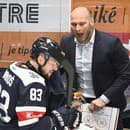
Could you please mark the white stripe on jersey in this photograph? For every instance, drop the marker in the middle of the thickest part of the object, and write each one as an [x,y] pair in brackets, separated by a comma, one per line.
[30,108]
[28,122]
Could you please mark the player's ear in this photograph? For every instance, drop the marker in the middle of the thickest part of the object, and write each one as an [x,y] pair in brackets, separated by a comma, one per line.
[41,59]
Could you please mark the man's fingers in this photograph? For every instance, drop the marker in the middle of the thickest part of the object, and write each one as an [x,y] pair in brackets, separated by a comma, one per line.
[76,104]
[94,107]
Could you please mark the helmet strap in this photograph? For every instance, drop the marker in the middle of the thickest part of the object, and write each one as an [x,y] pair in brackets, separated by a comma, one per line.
[46,57]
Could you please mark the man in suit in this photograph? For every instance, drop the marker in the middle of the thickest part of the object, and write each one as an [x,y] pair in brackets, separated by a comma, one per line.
[101,62]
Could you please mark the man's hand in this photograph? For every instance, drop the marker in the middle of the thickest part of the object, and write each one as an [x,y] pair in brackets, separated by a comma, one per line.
[76,104]
[96,105]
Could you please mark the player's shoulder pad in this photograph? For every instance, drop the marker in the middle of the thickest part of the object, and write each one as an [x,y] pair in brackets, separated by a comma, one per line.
[26,75]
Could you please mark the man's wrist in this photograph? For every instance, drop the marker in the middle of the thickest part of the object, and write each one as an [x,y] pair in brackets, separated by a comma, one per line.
[105,99]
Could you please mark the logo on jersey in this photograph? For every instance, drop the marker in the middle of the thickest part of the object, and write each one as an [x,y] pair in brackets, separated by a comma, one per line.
[33,75]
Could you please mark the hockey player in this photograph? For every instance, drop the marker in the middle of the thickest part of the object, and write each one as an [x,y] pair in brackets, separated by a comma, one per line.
[27,88]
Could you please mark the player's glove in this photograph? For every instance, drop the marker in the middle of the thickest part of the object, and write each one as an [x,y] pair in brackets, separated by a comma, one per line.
[66,117]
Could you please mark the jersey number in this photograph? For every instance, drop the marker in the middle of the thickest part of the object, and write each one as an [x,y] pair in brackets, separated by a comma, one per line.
[4,105]
[36,94]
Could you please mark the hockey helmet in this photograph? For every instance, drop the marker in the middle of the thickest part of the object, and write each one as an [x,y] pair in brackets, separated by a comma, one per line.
[48,47]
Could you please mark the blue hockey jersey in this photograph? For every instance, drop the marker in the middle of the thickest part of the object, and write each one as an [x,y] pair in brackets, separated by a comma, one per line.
[25,97]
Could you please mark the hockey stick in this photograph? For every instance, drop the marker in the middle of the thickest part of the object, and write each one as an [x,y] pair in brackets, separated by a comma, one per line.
[57,54]
[70,78]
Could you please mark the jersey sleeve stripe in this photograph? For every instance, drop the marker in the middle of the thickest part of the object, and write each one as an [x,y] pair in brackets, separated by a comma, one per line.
[25,115]
[30,108]
[28,115]
[28,122]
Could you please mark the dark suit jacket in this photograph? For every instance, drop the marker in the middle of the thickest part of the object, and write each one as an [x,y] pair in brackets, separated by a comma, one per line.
[110,66]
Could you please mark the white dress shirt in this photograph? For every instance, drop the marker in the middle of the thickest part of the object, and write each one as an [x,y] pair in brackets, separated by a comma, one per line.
[84,53]
[83,66]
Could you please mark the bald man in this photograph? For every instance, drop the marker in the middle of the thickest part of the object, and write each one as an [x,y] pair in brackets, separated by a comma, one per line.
[101,63]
